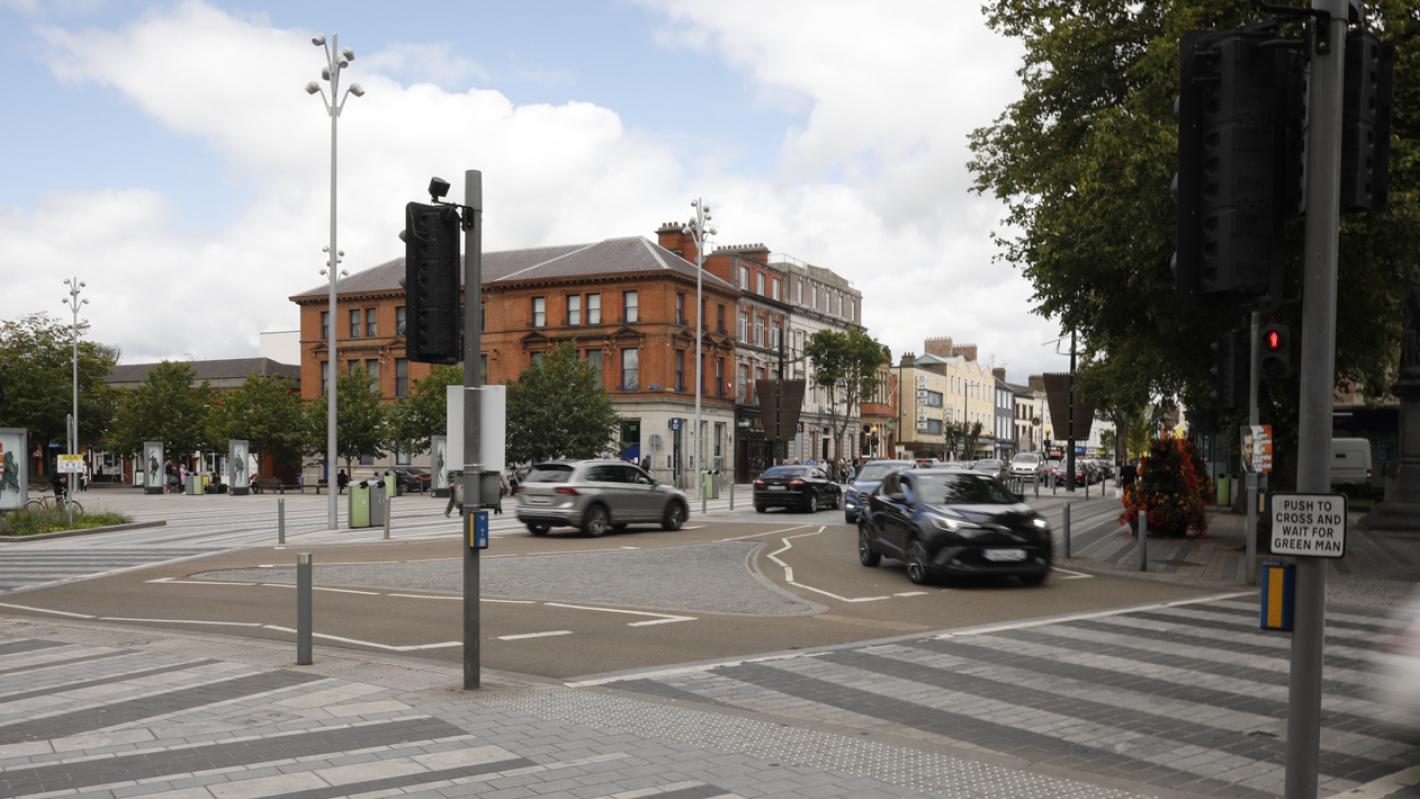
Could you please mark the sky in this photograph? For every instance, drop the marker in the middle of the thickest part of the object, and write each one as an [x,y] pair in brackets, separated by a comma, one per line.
[166,153]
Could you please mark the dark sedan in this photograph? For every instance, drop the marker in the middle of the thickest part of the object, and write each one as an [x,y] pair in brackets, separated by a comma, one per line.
[955,524]
[855,499]
[412,480]
[805,487]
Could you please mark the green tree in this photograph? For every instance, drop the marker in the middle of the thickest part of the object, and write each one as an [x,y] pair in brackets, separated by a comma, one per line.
[1083,162]
[168,406]
[557,408]
[362,420]
[36,362]
[266,411]
[846,366]
[424,413]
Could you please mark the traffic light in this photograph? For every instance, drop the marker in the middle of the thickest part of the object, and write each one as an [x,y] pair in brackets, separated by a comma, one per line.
[1239,110]
[431,283]
[1365,128]
[1276,352]
[1230,370]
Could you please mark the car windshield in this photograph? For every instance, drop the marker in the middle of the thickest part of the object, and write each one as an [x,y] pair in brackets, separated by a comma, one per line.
[549,473]
[1024,458]
[785,471]
[988,464]
[877,471]
[962,489]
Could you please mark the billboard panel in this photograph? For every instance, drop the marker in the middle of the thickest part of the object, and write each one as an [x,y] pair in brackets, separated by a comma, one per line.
[14,463]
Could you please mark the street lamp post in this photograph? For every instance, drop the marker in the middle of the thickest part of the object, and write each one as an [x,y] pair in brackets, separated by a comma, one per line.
[74,304]
[699,229]
[336,60]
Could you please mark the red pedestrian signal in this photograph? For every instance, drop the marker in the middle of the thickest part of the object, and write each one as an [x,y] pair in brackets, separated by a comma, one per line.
[1274,340]
[1276,352]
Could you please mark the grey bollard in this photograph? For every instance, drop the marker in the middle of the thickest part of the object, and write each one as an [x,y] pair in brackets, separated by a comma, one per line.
[1144,539]
[303,609]
[1067,529]
[1035,483]
[281,521]
[389,511]
[732,494]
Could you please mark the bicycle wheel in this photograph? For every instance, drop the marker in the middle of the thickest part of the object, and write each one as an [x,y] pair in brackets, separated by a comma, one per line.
[78,509]
[34,505]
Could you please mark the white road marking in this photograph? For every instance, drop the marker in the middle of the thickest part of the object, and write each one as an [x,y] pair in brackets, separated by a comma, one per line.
[1022,625]
[789,572]
[655,675]
[46,610]
[346,591]
[1074,574]
[1385,786]
[184,621]
[547,634]
[357,641]
[663,618]
[911,593]
[174,581]
[659,621]
[771,532]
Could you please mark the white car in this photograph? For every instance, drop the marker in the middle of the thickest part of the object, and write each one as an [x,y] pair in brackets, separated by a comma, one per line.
[1398,683]
[1026,466]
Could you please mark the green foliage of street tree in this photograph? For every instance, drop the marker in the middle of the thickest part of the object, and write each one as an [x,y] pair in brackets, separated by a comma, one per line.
[168,406]
[1083,162]
[362,420]
[266,411]
[846,366]
[557,408]
[36,365]
[422,414]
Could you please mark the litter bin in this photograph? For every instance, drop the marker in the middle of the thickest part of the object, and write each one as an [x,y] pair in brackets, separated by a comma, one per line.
[359,509]
[379,502]
[391,486]
[1279,587]
[1225,491]
[194,484]
[710,486]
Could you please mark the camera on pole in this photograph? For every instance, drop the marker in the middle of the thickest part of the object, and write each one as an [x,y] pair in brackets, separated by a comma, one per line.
[431,283]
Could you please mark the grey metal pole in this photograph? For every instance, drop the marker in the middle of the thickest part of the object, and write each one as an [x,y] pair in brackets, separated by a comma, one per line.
[389,511]
[1067,529]
[303,609]
[699,232]
[732,492]
[1318,379]
[472,378]
[281,520]
[333,333]
[1143,539]
[1070,443]
[1253,416]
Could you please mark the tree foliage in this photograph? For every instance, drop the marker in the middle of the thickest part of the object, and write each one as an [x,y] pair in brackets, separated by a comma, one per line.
[362,420]
[266,411]
[1084,160]
[168,406]
[557,408]
[424,413]
[36,363]
[846,366]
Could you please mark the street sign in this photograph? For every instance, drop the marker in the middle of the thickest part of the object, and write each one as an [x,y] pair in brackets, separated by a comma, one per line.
[1311,525]
[478,529]
[1257,448]
[71,463]
[675,423]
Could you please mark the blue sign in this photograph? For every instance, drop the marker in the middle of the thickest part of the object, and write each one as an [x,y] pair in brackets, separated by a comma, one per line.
[675,422]
[478,529]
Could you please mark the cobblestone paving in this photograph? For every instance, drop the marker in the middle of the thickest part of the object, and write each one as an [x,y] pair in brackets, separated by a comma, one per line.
[1190,697]
[90,712]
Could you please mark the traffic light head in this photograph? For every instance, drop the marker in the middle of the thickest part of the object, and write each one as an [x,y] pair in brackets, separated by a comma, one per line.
[1276,352]
[431,283]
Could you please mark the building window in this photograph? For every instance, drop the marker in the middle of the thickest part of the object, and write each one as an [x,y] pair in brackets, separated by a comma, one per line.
[932,399]
[324,376]
[630,307]
[719,377]
[536,358]
[372,368]
[798,291]
[539,312]
[680,370]
[401,376]
[759,283]
[483,369]
[774,288]
[371,329]
[719,436]
[776,336]
[324,325]
[594,362]
[482,318]
[630,369]
[813,296]
[355,317]
[720,318]
[744,278]
[574,309]
[399,321]
[742,386]
[352,366]
[402,458]
[852,311]
[594,309]
[680,308]
[744,327]
[758,330]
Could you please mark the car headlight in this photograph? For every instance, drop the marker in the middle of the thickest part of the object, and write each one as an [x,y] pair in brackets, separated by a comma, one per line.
[956,527]
[1039,523]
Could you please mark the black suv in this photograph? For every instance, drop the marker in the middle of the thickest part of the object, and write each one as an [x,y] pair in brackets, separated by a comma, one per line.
[412,480]
[953,523]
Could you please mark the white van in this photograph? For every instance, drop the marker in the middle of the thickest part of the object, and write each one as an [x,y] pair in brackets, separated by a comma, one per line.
[1351,465]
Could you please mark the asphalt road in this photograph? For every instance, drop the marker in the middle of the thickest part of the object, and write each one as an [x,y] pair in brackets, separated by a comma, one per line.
[563,606]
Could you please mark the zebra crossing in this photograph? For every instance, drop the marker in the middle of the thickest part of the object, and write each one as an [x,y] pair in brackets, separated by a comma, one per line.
[1189,696]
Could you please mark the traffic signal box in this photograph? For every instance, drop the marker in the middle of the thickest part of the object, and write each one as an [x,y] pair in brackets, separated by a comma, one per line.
[431,283]
[1231,369]
[1276,352]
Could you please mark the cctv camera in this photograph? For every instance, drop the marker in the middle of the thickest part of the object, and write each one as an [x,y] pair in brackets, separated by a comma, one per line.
[438,188]
[357,90]
[325,73]
[318,40]
[347,54]
[312,87]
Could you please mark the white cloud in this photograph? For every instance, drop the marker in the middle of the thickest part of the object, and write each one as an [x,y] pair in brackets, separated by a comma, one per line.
[872,184]
[426,63]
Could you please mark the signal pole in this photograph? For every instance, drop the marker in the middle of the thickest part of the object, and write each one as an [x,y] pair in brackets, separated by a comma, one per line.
[1318,378]
[472,406]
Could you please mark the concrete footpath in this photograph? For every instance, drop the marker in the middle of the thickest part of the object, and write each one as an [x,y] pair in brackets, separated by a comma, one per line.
[108,712]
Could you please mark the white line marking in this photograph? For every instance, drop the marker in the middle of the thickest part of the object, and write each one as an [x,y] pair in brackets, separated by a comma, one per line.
[661,616]
[771,532]
[387,647]
[185,621]
[631,547]
[1086,616]
[1077,575]
[659,621]
[46,610]
[693,527]
[789,571]
[912,593]
[547,634]
[346,591]
[1385,786]
[174,581]
[652,675]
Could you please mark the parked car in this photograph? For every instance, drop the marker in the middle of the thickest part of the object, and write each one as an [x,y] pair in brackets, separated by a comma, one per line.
[412,480]
[1027,466]
[855,498]
[805,487]
[595,496]
[927,463]
[991,467]
[1053,470]
[1351,466]
[941,522]
[1398,667]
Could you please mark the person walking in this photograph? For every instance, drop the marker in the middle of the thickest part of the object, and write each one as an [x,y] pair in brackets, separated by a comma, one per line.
[503,491]
[341,481]
[455,493]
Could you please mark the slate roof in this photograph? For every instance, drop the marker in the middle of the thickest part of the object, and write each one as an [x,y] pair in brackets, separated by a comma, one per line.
[608,257]
[222,369]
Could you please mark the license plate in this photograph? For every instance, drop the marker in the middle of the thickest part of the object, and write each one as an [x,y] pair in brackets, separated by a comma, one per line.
[776,488]
[1004,554]
[538,500]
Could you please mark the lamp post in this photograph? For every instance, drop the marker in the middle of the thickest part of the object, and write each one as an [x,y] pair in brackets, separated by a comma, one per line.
[74,304]
[699,229]
[336,60]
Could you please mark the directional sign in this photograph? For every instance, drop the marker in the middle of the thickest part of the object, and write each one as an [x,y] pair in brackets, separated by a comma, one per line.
[1311,525]
[71,463]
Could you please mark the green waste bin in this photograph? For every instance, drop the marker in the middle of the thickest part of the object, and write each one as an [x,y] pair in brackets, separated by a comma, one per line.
[709,486]
[391,485]
[379,502]
[1225,490]
[359,509]
[194,484]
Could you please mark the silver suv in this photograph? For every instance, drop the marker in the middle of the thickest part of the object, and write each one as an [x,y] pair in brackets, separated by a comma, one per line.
[595,496]
[1026,466]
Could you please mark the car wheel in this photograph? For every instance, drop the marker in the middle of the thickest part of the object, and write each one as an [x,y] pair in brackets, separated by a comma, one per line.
[849,518]
[758,508]
[837,501]
[866,554]
[813,503]
[1035,579]
[538,528]
[595,521]
[674,516]
[917,564]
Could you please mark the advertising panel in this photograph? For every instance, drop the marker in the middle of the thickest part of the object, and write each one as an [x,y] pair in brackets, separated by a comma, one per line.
[14,463]
[438,455]
[152,467]
[238,467]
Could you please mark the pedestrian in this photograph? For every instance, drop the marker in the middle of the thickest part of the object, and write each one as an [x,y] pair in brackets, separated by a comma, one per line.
[341,481]
[57,483]
[645,463]
[301,480]
[503,490]
[455,493]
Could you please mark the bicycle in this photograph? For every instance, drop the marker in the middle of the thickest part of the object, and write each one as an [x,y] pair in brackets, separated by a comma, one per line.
[51,502]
